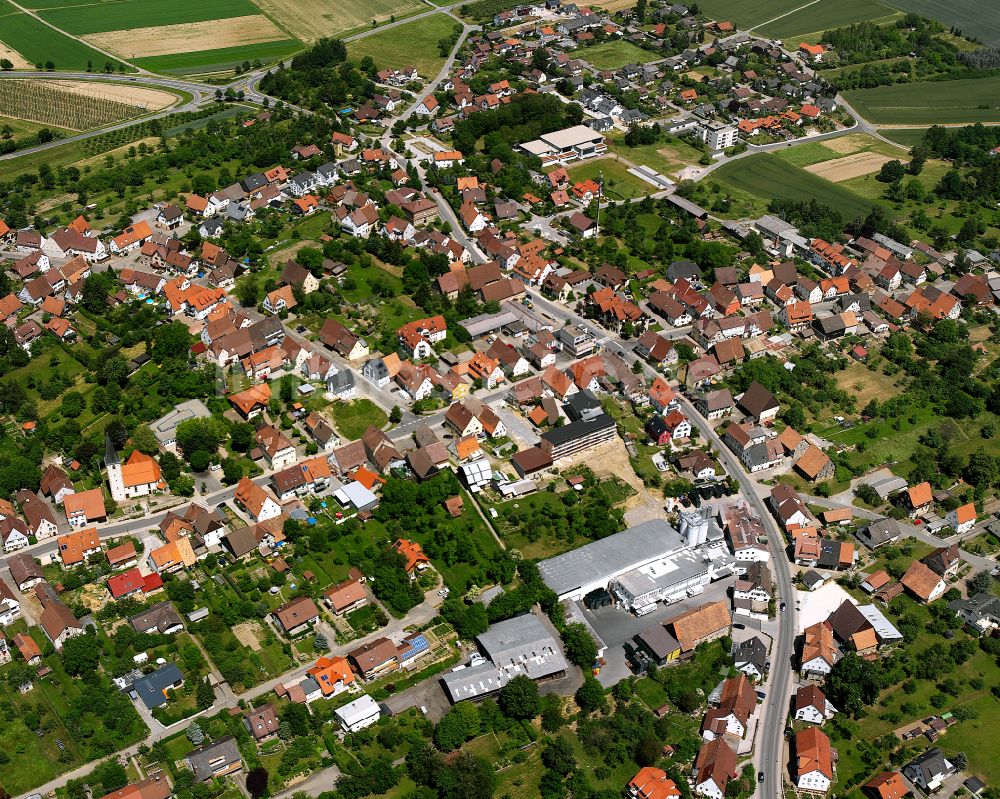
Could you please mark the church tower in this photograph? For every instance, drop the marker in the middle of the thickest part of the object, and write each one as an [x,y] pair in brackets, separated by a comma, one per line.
[116,484]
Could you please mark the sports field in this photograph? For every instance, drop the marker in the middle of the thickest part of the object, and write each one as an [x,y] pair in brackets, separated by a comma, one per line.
[929,103]
[308,20]
[815,18]
[415,43]
[37,43]
[615,54]
[769,177]
[972,17]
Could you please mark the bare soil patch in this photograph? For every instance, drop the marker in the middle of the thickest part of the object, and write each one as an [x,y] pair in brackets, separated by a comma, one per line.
[246,634]
[18,60]
[851,166]
[188,37]
[150,99]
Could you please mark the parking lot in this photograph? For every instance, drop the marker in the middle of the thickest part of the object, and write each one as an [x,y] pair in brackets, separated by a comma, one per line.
[617,626]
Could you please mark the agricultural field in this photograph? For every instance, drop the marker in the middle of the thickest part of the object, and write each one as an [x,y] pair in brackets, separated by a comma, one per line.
[219,60]
[966,15]
[33,42]
[78,105]
[934,102]
[908,137]
[747,13]
[415,43]
[616,54]
[308,20]
[769,177]
[815,18]
[142,29]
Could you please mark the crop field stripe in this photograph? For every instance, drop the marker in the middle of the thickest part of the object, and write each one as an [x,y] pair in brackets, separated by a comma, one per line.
[38,43]
[825,15]
[128,14]
[930,102]
[746,13]
[769,177]
[221,59]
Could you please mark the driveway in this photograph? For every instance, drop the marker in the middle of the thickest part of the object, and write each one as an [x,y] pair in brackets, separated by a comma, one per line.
[427,695]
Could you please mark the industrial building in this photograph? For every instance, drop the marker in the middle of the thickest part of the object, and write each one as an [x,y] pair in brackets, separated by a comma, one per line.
[521,645]
[645,564]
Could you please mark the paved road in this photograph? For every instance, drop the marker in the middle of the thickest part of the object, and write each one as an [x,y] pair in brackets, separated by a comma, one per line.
[769,750]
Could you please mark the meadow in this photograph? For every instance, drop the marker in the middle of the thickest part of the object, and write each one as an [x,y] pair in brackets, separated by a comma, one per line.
[619,183]
[824,15]
[769,177]
[966,15]
[616,54]
[968,100]
[404,45]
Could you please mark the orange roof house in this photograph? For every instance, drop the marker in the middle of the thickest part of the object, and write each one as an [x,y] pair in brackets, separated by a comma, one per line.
[919,496]
[77,547]
[251,401]
[652,783]
[84,507]
[28,647]
[414,554]
[173,556]
[332,675]
[887,785]
[812,753]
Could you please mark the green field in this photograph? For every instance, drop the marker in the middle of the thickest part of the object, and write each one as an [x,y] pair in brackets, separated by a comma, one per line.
[224,58]
[908,137]
[824,15]
[352,418]
[615,54]
[966,15]
[114,15]
[413,44]
[747,13]
[666,158]
[769,177]
[38,43]
[968,100]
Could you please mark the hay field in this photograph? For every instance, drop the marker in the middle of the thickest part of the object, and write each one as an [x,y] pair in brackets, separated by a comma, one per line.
[309,20]
[850,166]
[188,37]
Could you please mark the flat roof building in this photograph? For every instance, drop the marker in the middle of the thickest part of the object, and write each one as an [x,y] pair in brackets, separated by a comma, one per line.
[165,428]
[568,144]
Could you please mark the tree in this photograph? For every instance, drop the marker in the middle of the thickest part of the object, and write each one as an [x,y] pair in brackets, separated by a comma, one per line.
[204,435]
[205,697]
[590,695]
[194,733]
[580,647]
[395,415]
[72,404]
[81,653]
[257,782]
[144,440]
[891,172]
[868,495]
[110,774]
[170,341]
[519,698]
[232,471]
[558,756]
[199,460]
[982,583]
[320,643]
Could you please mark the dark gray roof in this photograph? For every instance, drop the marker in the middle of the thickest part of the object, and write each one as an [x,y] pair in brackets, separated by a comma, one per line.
[161,617]
[658,641]
[578,429]
[213,757]
[151,688]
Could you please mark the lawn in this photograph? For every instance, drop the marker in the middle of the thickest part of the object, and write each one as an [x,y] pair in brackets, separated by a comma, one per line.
[414,44]
[966,15]
[666,158]
[619,183]
[352,418]
[38,43]
[224,58]
[114,15]
[23,127]
[769,177]
[815,18]
[615,54]
[935,102]
[866,384]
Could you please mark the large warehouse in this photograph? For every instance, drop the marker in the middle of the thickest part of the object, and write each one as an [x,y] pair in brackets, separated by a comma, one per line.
[644,564]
